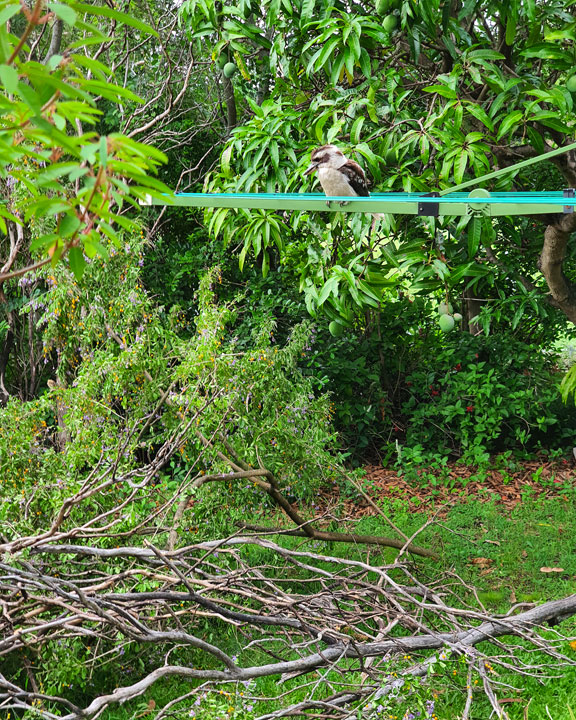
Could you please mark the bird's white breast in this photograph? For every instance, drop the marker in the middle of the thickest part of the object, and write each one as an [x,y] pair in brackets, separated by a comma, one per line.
[334,182]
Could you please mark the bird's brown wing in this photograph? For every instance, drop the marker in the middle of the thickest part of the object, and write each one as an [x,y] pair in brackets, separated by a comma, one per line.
[356,177]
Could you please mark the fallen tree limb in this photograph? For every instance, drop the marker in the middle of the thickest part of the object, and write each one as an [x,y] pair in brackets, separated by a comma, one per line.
[347,538]
[331,627]
[242,470]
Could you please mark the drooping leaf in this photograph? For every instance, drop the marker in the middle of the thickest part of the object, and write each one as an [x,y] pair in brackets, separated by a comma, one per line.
[474,235]
[121,17]
[9,78]
[511,120]
[77,262]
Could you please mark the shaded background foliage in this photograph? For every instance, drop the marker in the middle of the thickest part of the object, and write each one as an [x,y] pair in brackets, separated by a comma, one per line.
[301,341]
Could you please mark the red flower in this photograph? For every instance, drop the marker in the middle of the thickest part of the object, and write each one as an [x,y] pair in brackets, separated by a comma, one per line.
[470,408]
[435,392]
[458,367]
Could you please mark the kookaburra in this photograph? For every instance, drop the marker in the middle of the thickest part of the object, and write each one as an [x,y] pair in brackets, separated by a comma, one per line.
[338,175]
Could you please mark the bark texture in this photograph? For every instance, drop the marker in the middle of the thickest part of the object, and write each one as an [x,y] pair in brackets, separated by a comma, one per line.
[554,249]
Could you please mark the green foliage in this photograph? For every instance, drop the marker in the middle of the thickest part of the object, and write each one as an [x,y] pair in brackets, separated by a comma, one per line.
[117,354]
[292,423]
[72,185]
[349,367]
[172,270]
[138,384]
[568,386]
[481,395]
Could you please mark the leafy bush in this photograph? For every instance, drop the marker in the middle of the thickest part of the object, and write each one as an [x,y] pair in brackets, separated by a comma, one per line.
[480,395]
[349,368]
[115,354]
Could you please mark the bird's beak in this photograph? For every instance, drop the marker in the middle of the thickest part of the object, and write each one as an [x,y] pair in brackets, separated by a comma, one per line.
[310,169]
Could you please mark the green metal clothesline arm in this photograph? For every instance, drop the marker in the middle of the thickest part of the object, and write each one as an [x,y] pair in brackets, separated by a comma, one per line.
[500,204]
[508,170]
[449,202]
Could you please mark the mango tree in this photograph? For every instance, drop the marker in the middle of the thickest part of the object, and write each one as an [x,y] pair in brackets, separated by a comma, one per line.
[424,96]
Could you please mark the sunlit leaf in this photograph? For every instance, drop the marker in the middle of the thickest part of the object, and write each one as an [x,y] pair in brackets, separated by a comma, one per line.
[9,78]
[121,17]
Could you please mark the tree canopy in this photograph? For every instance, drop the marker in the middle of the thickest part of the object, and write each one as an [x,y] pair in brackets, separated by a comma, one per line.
[424,96]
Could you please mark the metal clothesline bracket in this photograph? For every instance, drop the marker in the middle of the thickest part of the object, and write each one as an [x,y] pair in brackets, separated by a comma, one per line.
[480,207]
[429,209]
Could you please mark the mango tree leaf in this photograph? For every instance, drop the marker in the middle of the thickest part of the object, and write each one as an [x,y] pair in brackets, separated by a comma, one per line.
[121,17]
[546,51]
[307,8]
[460,166]
[474,235]
[484,54]
[365,63]
[355,132]
[511,24]
[536,140]
[330,287]
[442,90]
[509,122]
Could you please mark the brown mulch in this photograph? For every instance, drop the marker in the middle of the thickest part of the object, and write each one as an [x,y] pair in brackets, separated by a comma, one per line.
[505,487]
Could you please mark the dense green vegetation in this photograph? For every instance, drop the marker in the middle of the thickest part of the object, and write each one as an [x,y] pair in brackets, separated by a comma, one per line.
[189,400]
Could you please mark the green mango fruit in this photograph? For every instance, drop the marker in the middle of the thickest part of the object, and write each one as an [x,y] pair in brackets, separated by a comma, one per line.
[336,329]
[229,69]
[446,323]
[389,23]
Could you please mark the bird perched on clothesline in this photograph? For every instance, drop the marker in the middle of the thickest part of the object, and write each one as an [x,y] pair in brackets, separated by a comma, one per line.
[338,175]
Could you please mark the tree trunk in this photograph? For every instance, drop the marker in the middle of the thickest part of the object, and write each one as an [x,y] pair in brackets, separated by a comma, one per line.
[472,307]
[56,39]
[556,237]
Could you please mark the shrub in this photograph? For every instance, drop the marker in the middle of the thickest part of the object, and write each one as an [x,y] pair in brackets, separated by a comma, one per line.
[480,395]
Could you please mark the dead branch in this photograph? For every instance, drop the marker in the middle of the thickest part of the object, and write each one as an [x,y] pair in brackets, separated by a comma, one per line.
[324,626]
